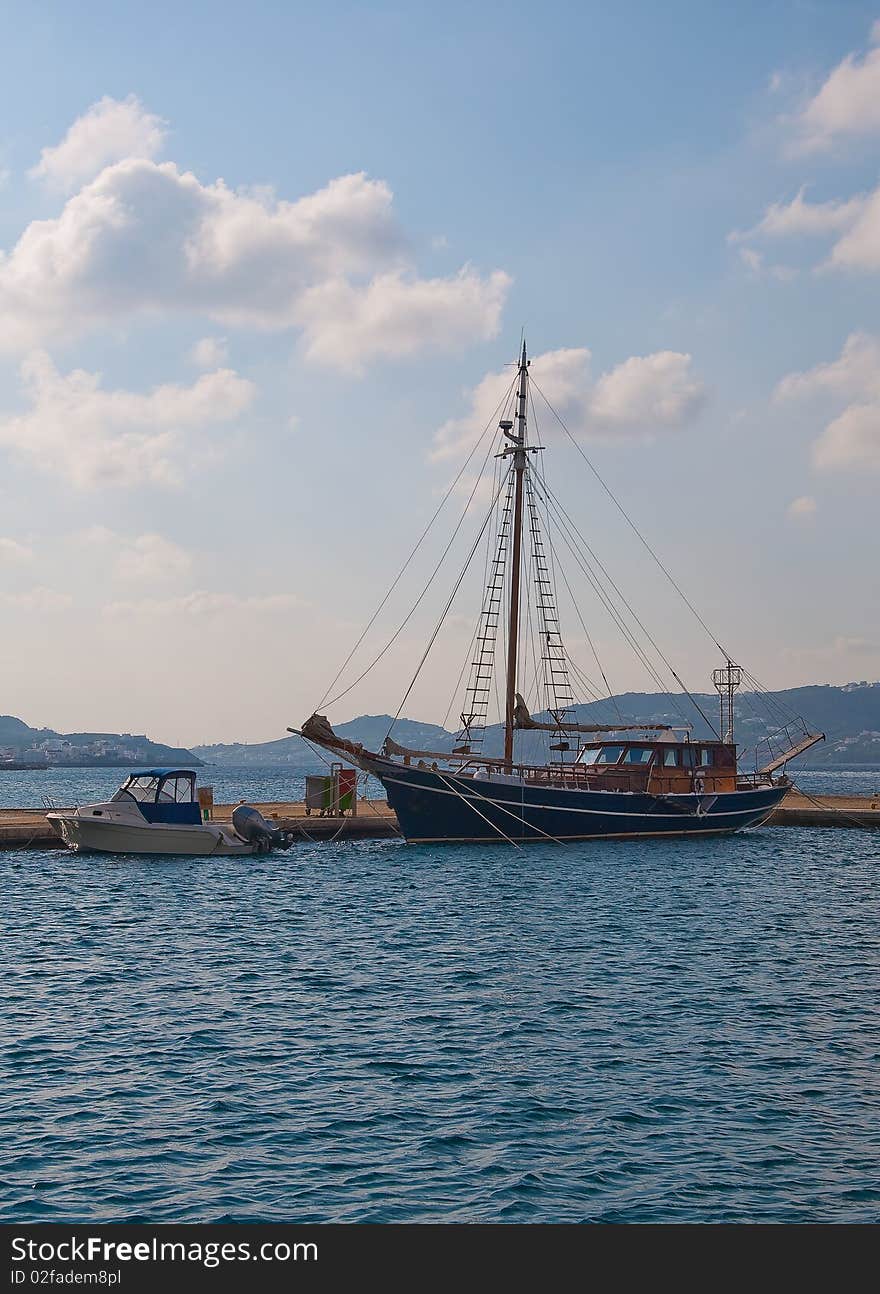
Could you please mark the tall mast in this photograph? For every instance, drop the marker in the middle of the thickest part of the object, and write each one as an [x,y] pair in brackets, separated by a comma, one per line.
[520,455]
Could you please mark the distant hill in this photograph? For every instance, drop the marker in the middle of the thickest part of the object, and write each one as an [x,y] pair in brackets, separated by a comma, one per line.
[849,716]
[20,742]
[369,729]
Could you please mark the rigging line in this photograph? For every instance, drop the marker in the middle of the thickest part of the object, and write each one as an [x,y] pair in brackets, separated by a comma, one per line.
[477,693]
[621,625]
[472,645]
[614,613]
[629,608]
[516,816]
[586,683]
[464,664]
[418,600]
[545,693]
[626,632]
[577,610]
[582,678]
[465,800]
[502,530]
[496,680]
[550,548]
[317,751]
[833,808]
[771,698]
[632,524]
[418,544]
[445,611]
[528,640]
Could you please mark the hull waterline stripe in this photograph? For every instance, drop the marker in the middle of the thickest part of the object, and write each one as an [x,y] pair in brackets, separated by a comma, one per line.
[605,835]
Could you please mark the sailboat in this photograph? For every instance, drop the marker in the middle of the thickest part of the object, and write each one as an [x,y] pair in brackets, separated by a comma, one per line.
[596,781]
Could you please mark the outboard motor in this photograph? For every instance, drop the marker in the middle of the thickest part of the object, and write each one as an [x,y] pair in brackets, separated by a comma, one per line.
[255,830]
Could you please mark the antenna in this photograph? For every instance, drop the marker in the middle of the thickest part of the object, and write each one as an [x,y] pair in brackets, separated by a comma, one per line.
[727,680]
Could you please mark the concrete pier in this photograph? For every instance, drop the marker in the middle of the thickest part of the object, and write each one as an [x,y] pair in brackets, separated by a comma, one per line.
[28,828]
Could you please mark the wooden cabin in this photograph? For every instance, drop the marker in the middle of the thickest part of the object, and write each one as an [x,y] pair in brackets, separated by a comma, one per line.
[661,767]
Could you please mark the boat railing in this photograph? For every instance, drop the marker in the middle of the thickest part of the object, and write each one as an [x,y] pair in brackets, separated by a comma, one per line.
[746,781]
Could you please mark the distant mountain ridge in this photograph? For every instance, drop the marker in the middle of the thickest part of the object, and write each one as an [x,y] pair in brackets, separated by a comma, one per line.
[849,716]
[20,742]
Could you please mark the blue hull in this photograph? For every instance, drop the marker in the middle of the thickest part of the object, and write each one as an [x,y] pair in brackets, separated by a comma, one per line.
[438,806]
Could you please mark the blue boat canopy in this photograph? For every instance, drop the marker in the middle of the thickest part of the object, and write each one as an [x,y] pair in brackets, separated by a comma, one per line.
[165,795]
[163,772]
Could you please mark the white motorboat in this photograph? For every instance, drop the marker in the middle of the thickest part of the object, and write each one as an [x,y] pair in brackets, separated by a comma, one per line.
[156,811]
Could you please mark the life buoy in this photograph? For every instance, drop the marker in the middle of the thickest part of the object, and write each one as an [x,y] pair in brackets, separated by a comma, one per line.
[699,784]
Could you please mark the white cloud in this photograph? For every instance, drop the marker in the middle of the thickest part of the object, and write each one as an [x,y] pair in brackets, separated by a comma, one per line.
[152,558]
[210,352]
[92,437]
[856,374]
[38,599]
[200,605]
[108,132]
[759,269]
[802,509]
[397,315]
[145,239]
[12,553]
[852,439]
[639,396]
[847,104]
[148,558]
[798,217]
[853,226]
[646,392]
[859,248]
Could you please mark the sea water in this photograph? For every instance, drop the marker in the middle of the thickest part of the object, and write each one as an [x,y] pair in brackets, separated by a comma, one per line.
[666,1031]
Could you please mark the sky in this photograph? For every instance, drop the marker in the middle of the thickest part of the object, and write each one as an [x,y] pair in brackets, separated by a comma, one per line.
[263,266]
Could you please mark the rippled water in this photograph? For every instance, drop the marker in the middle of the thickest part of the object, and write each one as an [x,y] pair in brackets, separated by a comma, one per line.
[665,1031]
[26,788]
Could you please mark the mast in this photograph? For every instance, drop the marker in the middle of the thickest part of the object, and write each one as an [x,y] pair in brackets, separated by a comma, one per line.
[520,455]
[727,681]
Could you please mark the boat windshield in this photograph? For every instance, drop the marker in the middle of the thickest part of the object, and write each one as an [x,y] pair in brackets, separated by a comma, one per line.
[142,789]
[153,788]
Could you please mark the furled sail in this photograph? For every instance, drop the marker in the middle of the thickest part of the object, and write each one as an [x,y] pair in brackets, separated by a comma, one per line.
[319,729]
[393,747]
[523,719]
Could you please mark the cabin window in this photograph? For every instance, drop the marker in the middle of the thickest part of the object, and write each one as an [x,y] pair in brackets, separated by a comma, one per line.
[707,757]
[638,755]
[609,754]
[687,756]
[670,757]
[588,756]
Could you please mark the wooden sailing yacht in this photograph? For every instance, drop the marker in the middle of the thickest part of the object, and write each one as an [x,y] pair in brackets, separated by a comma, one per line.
[618,780]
